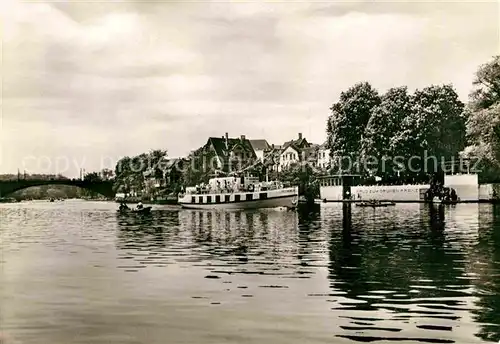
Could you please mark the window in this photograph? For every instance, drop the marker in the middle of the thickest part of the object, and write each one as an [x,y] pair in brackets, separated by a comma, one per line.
[227,198]
[263,195]
[217,199]
[209,199]
[237,198]
[249,197]
[192,199]
[200,199]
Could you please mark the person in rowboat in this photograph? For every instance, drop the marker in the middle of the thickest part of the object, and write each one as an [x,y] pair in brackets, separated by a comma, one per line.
[139,206]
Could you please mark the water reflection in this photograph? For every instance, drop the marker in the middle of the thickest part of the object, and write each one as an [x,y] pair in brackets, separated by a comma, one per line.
[394,274]
[407,274]
[484,264]
[410,272]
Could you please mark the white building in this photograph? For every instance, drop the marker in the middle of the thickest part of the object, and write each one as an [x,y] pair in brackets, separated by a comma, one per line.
[323,156]
[292,152]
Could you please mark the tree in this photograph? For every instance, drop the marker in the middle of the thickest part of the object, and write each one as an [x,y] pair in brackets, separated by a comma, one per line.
[384,122]
[349,117]
[435,126]
[107,174]
[157,160]
[92,177]
[302,175]
[483,122]
[199,168]
[129,171]
[486,85]
[483,133]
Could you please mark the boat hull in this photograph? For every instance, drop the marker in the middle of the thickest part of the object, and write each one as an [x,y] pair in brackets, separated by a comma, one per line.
[266,199]
[288,201]
[145,210]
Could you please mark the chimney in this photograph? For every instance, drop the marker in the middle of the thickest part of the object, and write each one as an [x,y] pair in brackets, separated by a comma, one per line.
[242,137]
[300,136]
[226,140]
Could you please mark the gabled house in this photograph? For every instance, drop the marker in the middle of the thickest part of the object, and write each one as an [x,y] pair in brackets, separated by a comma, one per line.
[292,152]
[227,154]
[260,147]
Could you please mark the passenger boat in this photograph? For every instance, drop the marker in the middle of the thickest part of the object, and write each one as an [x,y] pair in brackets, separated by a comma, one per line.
[239,193]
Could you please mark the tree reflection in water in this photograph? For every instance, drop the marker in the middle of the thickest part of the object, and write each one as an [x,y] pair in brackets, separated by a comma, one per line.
[397,273]
[485,262]
[393,268]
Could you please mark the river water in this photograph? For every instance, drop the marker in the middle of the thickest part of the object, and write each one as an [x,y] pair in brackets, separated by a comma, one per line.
[77,272]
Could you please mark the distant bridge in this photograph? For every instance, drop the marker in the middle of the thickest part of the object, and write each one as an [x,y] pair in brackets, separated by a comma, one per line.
[104,187]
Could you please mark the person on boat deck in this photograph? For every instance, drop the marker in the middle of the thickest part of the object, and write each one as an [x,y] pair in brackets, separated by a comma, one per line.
[123,206]
[139,205]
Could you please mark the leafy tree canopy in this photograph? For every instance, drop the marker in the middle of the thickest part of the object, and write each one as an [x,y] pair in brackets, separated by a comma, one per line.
[483,120]
[348,119]
[486,85]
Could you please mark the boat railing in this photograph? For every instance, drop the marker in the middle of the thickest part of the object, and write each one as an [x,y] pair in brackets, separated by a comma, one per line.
[222,190]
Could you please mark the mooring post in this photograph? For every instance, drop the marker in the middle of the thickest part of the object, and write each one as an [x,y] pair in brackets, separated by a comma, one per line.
[346,220]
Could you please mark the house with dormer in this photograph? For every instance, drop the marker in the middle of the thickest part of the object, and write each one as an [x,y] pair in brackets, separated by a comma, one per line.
[226,154]
[293,152]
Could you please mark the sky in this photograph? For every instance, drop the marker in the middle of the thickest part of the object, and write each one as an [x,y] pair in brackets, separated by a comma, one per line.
[85,83]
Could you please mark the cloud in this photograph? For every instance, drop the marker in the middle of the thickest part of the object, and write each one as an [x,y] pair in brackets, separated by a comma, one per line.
[113,79]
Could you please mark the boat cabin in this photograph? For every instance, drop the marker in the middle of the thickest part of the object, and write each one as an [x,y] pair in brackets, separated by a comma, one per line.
[231,185]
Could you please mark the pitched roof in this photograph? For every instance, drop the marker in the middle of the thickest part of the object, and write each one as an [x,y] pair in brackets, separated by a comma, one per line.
[298,145]
[260,144]
[219,145]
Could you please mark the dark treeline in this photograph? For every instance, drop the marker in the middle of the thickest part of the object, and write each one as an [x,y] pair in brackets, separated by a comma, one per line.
[379,134]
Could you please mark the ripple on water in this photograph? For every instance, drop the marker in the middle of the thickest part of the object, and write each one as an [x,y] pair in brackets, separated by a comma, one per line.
[388,275]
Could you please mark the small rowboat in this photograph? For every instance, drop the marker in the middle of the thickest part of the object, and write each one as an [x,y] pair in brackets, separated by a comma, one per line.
[375,204]
[145,210]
